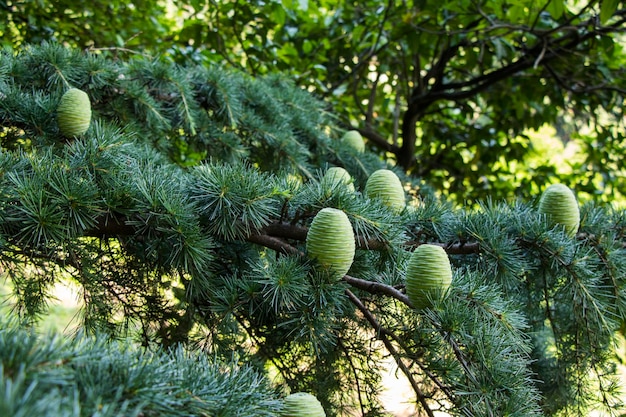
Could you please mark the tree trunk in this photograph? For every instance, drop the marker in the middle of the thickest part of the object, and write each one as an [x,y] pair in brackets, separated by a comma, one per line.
[418,103]
[406,154]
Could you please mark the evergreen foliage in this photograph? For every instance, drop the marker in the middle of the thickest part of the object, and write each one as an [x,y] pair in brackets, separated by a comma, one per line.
[93,376]
[183,212]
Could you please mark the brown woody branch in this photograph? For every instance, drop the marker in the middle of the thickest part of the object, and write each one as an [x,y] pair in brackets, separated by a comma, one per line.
[378,140]
[295,232]
[378,288]
[274,243]
[111,224]
[273,236]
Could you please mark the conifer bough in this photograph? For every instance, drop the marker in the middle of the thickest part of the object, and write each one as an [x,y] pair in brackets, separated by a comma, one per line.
[74,113]
[302,404]
[385,185]
[330,240]
[354,139]
[337,176]
[559,204]
[428,275]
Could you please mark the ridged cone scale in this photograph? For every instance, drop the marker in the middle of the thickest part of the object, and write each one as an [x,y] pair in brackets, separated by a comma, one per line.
[559,204]
[336,176]
[385,185]
[428,275]
[354,139]
[302,404]
[330,240]
[74,113]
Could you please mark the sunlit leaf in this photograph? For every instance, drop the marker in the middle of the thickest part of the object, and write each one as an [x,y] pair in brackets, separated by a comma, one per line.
[607,8]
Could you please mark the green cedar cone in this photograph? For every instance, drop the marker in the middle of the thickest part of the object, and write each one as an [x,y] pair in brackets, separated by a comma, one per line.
[74,113]
[302,404]
[385,185]
[428,275]
[336,176]
[354,139]
[559,205]
[330,240]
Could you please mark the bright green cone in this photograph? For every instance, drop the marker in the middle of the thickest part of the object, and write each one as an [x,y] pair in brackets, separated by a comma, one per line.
[330,240]
[302,404]
[337,176]
[74,113]
[428,275]
[354,139]
[559,205]
[384,184]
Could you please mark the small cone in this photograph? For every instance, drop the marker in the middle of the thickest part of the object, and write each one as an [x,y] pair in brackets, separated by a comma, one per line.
[337,176]
[302,404]
[355,140]
[559,205]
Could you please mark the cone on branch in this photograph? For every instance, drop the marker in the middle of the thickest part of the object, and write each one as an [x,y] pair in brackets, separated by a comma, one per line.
[74,113]
[330,240]
[302,404]
[385,185]
[354,139]
[428,275]
[559,204]
[337,177]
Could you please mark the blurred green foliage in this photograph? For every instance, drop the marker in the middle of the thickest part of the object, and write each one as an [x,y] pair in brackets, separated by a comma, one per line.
[94,376]
[448,90]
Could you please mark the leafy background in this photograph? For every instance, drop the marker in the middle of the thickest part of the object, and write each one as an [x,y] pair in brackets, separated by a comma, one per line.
[478,80]
[385,68]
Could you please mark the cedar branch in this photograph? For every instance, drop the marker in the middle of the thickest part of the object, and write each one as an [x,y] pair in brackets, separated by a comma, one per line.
[391,349]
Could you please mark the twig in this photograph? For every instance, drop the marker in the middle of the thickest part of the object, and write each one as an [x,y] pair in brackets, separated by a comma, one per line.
[459,248]
[541,54]
[120,49]
[354,372]
[392,350]
[377,288]
[273,243]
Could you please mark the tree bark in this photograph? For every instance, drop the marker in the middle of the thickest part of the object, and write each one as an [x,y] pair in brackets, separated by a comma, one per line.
[406,155]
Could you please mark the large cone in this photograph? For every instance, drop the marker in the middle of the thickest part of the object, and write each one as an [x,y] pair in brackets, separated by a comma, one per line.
[330,240]
[385,185]
[428,275]
[74,113]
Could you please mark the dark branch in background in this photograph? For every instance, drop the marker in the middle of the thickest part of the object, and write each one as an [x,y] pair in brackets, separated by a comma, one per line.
[579,87]
[545,50]
[378,140]
[460,248]
[363,60]
[111,224]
